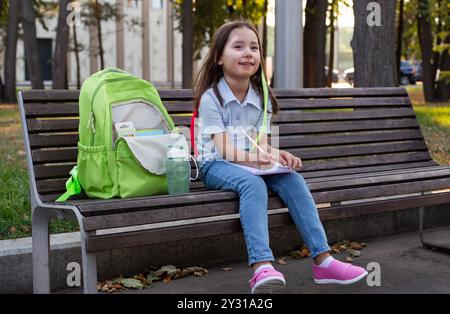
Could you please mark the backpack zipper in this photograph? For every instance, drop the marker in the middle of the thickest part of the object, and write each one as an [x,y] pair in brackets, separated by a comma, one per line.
[91,120]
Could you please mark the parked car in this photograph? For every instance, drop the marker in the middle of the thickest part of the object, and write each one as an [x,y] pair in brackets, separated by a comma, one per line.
[407,74]
[348,75]
[335,74]
[418,67]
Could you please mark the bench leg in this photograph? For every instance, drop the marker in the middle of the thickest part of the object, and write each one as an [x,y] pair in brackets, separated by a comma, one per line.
[89,261]
[41,251]
[426,244]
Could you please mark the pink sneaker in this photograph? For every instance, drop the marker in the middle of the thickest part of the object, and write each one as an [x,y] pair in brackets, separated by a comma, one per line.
[338,272]
[266,281]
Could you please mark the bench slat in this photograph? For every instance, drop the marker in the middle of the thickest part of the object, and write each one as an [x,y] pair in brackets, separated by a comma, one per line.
[367,137]
[49,140]
[367,125]
[381,191]
[71,125]
[341,92]
[373,102]
[355,181]
[380,172]
[360,150]
[55,108]
[366,170]
[70,154]
[70,95]
[367,160]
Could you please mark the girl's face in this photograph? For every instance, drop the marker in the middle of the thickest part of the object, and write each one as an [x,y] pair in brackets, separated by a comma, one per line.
[241,56]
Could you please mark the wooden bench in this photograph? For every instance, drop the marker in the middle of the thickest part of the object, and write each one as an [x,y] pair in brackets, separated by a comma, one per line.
[356,144]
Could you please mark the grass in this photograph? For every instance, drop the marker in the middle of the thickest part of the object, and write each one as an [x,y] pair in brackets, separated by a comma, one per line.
[15,215]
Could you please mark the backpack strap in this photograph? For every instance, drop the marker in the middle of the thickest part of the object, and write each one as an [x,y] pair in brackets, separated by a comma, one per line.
[194,116]
[265,101]
[72,185]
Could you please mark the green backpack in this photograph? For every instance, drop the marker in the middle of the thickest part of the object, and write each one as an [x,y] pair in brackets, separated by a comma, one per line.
[108,164]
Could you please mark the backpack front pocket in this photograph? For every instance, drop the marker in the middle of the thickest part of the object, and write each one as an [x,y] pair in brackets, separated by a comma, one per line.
[133,179]
[94,173]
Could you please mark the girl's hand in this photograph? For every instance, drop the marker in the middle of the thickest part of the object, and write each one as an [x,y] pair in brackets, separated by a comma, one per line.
[265,158]
[287,159]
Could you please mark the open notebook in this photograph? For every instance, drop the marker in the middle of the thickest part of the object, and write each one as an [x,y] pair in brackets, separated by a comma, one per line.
[276,169]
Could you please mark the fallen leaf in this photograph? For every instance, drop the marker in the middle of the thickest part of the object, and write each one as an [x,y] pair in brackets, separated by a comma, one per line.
[151,277]
[349,259]
[12,229]
[281,261]
[354,253]
[131,283]
[182,274]
[227,268]
[169,269]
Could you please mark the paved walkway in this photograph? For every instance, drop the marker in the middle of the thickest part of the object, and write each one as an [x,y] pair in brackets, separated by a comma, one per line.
[405,267]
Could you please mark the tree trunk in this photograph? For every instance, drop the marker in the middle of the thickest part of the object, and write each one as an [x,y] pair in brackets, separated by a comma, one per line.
[77,55]
[264,37]
[436,54]
[333,14]
[443,88]
[31,44]
[10,53]
[188,40]
[399,37]
[1,81]
[62,41]
[426,47]
[98,17]
[373,43]
[314,39]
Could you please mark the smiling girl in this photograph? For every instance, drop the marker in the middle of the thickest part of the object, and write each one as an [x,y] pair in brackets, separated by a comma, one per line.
[228,92]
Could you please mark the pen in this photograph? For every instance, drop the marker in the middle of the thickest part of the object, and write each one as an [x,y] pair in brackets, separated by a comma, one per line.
[253,142]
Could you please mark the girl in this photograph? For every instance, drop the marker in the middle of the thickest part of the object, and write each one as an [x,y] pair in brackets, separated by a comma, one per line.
[228,92]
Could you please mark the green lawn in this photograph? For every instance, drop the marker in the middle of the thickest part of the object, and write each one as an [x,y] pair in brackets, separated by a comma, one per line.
[15,213]
[15,216]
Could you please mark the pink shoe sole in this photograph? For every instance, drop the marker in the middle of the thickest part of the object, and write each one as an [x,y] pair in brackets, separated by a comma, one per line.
[267,281]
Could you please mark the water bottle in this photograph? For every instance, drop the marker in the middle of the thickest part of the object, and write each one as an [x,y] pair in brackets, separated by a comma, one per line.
[178,170]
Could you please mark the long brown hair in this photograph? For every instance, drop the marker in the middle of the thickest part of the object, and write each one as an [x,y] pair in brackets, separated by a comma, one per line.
[210,72]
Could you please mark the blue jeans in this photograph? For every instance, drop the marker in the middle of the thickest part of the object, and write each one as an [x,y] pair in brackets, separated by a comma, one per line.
[253,206]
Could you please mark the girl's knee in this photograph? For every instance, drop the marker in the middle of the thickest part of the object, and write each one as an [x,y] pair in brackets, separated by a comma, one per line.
[253,184]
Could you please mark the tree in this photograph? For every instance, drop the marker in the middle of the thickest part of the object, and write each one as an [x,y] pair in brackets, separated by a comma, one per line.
[333,14]
[188,45]
[61,47]
[400,24]
[10,53]
[1,39]
[76,48]
[314,37]
[426,38]
[31,44]
[210,15]
[374,43]
[426,47]
[93,13]
[98,18]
